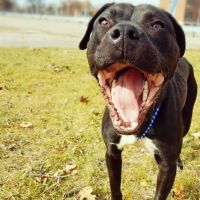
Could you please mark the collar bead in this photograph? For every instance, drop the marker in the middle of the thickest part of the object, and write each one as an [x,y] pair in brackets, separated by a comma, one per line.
[152,121]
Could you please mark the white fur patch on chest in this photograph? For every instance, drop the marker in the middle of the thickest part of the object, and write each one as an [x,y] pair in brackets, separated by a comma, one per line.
[132,139]
[149,145]
[125,140]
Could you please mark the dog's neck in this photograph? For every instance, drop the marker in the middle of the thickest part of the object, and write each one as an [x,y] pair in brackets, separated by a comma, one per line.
[146,131]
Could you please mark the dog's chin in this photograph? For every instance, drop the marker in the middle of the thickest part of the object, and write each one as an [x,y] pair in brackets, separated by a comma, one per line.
[129,94]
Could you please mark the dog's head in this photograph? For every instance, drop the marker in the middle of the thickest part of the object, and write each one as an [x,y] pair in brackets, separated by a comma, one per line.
[132,51]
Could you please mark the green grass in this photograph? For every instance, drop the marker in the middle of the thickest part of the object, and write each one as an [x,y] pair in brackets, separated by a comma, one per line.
[53,89]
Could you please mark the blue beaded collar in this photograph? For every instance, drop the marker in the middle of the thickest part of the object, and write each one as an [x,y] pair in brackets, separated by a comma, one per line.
[152,121]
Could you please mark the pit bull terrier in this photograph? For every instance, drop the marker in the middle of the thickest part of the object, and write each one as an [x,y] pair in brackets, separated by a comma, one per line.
[136,55]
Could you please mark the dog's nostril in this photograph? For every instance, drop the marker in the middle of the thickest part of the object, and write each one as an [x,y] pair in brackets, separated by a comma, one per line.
[133,35]
[115,34]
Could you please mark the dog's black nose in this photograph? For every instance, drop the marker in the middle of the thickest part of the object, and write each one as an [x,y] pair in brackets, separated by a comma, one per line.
[125,32]
[115,34]
[133,33]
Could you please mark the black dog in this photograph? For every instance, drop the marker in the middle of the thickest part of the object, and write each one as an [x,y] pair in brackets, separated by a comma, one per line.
[135,52]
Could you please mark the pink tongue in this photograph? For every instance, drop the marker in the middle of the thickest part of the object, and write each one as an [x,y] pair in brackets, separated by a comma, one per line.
[126,93]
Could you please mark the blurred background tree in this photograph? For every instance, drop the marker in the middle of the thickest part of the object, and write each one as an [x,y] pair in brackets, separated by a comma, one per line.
[36,6]
[7,5]
[65,7]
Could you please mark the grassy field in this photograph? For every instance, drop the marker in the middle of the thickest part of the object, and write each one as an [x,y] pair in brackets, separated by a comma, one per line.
[50,139]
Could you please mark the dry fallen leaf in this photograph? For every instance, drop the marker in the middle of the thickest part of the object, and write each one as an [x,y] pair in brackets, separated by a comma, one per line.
[69,168]
[26,125]
[179,192]
[86,194]
[84,99]
[42,179]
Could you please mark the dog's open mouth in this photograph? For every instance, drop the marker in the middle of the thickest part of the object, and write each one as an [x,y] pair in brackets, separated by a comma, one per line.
[129,94]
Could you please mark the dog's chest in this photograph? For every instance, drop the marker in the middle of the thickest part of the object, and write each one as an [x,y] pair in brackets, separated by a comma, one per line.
[132,139]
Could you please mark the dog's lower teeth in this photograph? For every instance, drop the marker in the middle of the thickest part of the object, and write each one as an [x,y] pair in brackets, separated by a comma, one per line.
[134,124]
[117,123]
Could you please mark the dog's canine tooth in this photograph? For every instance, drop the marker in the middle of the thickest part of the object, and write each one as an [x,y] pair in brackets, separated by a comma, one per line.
[146,85]
[145,91]
[113,86]
[114,83]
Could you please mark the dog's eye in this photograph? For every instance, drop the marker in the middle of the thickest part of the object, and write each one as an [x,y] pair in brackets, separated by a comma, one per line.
[157,25]
[104,22]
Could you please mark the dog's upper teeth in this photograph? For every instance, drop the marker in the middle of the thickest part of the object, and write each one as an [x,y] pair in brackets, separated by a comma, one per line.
[114,83]
[144,96]
[108,91]
[145,92]
[146,85]
[113,86]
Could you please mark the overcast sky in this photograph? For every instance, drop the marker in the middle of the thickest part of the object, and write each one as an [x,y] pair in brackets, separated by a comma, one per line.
[97,2]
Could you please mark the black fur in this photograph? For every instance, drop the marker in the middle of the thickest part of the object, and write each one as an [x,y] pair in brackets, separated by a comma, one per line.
[86,37]
[151,50]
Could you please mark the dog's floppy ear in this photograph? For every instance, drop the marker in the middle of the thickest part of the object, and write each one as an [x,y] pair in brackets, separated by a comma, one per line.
[180,36]
[86,37]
